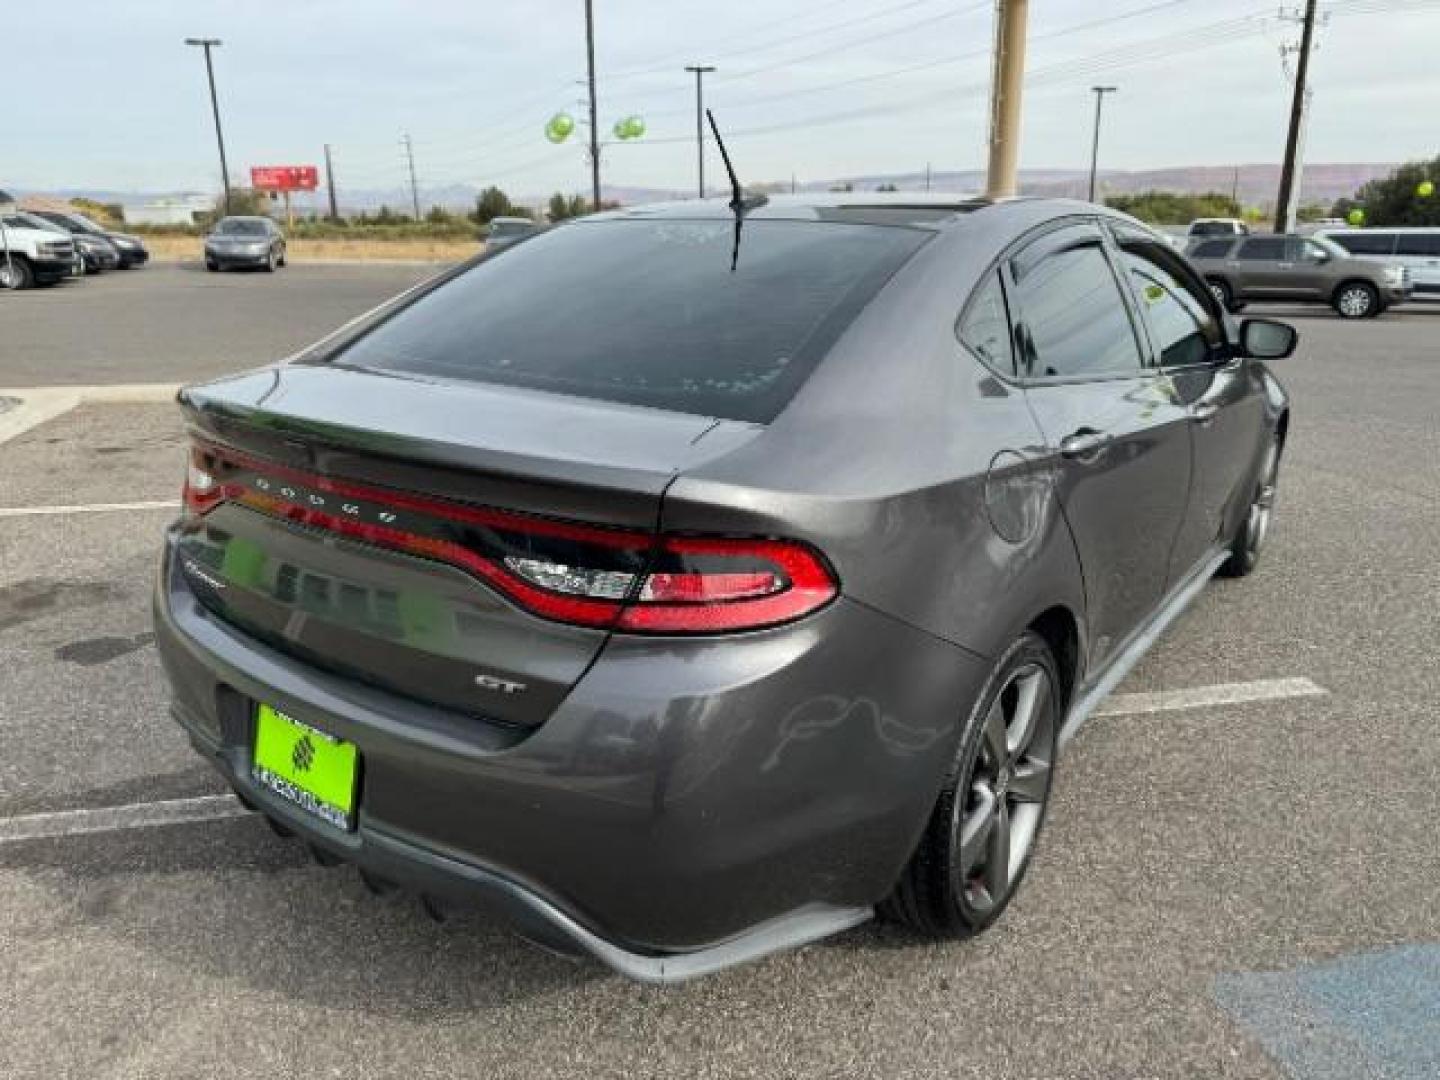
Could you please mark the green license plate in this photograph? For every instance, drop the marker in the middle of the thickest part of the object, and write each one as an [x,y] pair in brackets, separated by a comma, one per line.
[311,769]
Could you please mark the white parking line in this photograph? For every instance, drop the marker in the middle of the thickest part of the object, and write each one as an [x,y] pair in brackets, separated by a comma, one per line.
[92,508]
[223,807]
[1204,697]
[117,818]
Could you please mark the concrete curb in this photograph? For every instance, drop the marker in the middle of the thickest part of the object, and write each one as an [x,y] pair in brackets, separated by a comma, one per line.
[40,404]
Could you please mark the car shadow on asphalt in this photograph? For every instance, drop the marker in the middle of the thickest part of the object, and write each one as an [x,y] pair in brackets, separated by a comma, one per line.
[229,901]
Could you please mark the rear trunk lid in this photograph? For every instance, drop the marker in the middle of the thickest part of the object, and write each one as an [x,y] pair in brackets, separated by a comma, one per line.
[350,507]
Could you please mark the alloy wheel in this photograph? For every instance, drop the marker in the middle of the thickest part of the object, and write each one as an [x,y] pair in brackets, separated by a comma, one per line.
[1355,302]
[996,822]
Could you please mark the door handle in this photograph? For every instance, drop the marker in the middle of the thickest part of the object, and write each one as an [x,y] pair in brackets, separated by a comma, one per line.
[1084,445]
[1202,412]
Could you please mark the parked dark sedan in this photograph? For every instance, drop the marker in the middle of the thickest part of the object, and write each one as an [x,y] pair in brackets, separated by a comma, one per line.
[689,587]
[129,250]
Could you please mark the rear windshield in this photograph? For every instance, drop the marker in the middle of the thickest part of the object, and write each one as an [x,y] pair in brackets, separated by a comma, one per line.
[648,312]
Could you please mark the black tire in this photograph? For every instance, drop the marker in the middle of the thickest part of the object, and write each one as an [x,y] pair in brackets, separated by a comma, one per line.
[212,266]
[1253,529]
[1356,300]
[271,261]
[282,256]
[15,273]
[937,894]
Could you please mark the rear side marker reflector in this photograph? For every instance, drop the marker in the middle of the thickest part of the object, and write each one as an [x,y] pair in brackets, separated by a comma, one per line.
[569,572]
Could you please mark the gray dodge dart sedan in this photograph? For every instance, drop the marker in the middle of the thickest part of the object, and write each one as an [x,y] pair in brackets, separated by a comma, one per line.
[700,580]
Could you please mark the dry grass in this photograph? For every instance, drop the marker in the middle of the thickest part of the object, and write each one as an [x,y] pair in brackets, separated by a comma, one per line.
[190,247]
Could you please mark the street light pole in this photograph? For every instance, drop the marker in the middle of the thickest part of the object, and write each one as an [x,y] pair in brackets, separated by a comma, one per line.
[700,72]
[594,123]
[1100,92]
[207,44]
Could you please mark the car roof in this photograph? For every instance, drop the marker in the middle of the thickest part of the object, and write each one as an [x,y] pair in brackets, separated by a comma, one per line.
[932,210]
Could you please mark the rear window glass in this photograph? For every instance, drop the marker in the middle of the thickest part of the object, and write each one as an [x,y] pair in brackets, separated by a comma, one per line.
[1366,243]
[648,312]
[1423,244]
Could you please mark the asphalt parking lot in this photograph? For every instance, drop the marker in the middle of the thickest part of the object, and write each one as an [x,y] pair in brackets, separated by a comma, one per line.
[1246,889]
[174,322]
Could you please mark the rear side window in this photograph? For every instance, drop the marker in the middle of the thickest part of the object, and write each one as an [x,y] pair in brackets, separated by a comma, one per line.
[985,327]
[1423,244]
[649,312]
[1366,243]
[1269,248]
[1075,320]
[1212,249]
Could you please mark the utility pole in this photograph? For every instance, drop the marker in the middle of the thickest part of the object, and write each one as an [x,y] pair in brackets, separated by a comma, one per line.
[594,123]
[1285,204]
[330,183]
[414,188]
[207,44]
[927,176]
[1100,92]
[700,73]
[1235,186]
[1007,82]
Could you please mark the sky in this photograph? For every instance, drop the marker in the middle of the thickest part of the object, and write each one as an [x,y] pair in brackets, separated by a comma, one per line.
[113,98]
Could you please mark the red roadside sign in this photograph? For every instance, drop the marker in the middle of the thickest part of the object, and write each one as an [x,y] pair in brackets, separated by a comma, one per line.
[284,177]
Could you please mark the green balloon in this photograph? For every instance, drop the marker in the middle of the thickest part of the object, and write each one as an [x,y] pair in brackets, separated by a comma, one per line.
[1356,217]
[559,127]
[1425,189]
[629,127]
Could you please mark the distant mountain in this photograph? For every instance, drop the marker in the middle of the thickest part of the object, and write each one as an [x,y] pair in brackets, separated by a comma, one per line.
[1256,185]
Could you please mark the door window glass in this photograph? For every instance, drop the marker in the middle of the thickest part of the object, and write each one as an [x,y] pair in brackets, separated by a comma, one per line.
[1076,322]
[1263,249]
[1177,310]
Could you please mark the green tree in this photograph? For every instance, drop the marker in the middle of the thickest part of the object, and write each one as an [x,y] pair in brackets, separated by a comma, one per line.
[490,204]
[1174,208]
[1395,200]
[562,208]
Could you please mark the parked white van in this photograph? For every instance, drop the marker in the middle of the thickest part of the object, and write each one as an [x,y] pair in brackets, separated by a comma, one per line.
[1416,249]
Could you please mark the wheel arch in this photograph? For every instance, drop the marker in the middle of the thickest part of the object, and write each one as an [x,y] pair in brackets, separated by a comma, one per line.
[1059,628]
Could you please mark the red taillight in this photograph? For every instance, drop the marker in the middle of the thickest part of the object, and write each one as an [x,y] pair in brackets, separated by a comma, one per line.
[569,572]
[698,585]
[203,490]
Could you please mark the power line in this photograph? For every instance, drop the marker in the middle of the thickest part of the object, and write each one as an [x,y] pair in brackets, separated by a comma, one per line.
[717,48]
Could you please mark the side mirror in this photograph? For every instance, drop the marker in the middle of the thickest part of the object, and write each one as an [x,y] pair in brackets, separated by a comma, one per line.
[1265,339]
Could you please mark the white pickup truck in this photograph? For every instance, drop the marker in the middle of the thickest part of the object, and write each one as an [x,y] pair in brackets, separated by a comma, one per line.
[31,256]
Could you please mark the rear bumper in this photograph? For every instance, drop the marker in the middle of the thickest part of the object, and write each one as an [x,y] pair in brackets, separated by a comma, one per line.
[691,804]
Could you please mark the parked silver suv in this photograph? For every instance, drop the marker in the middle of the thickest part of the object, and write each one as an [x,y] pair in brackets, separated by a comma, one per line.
[1298,268]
